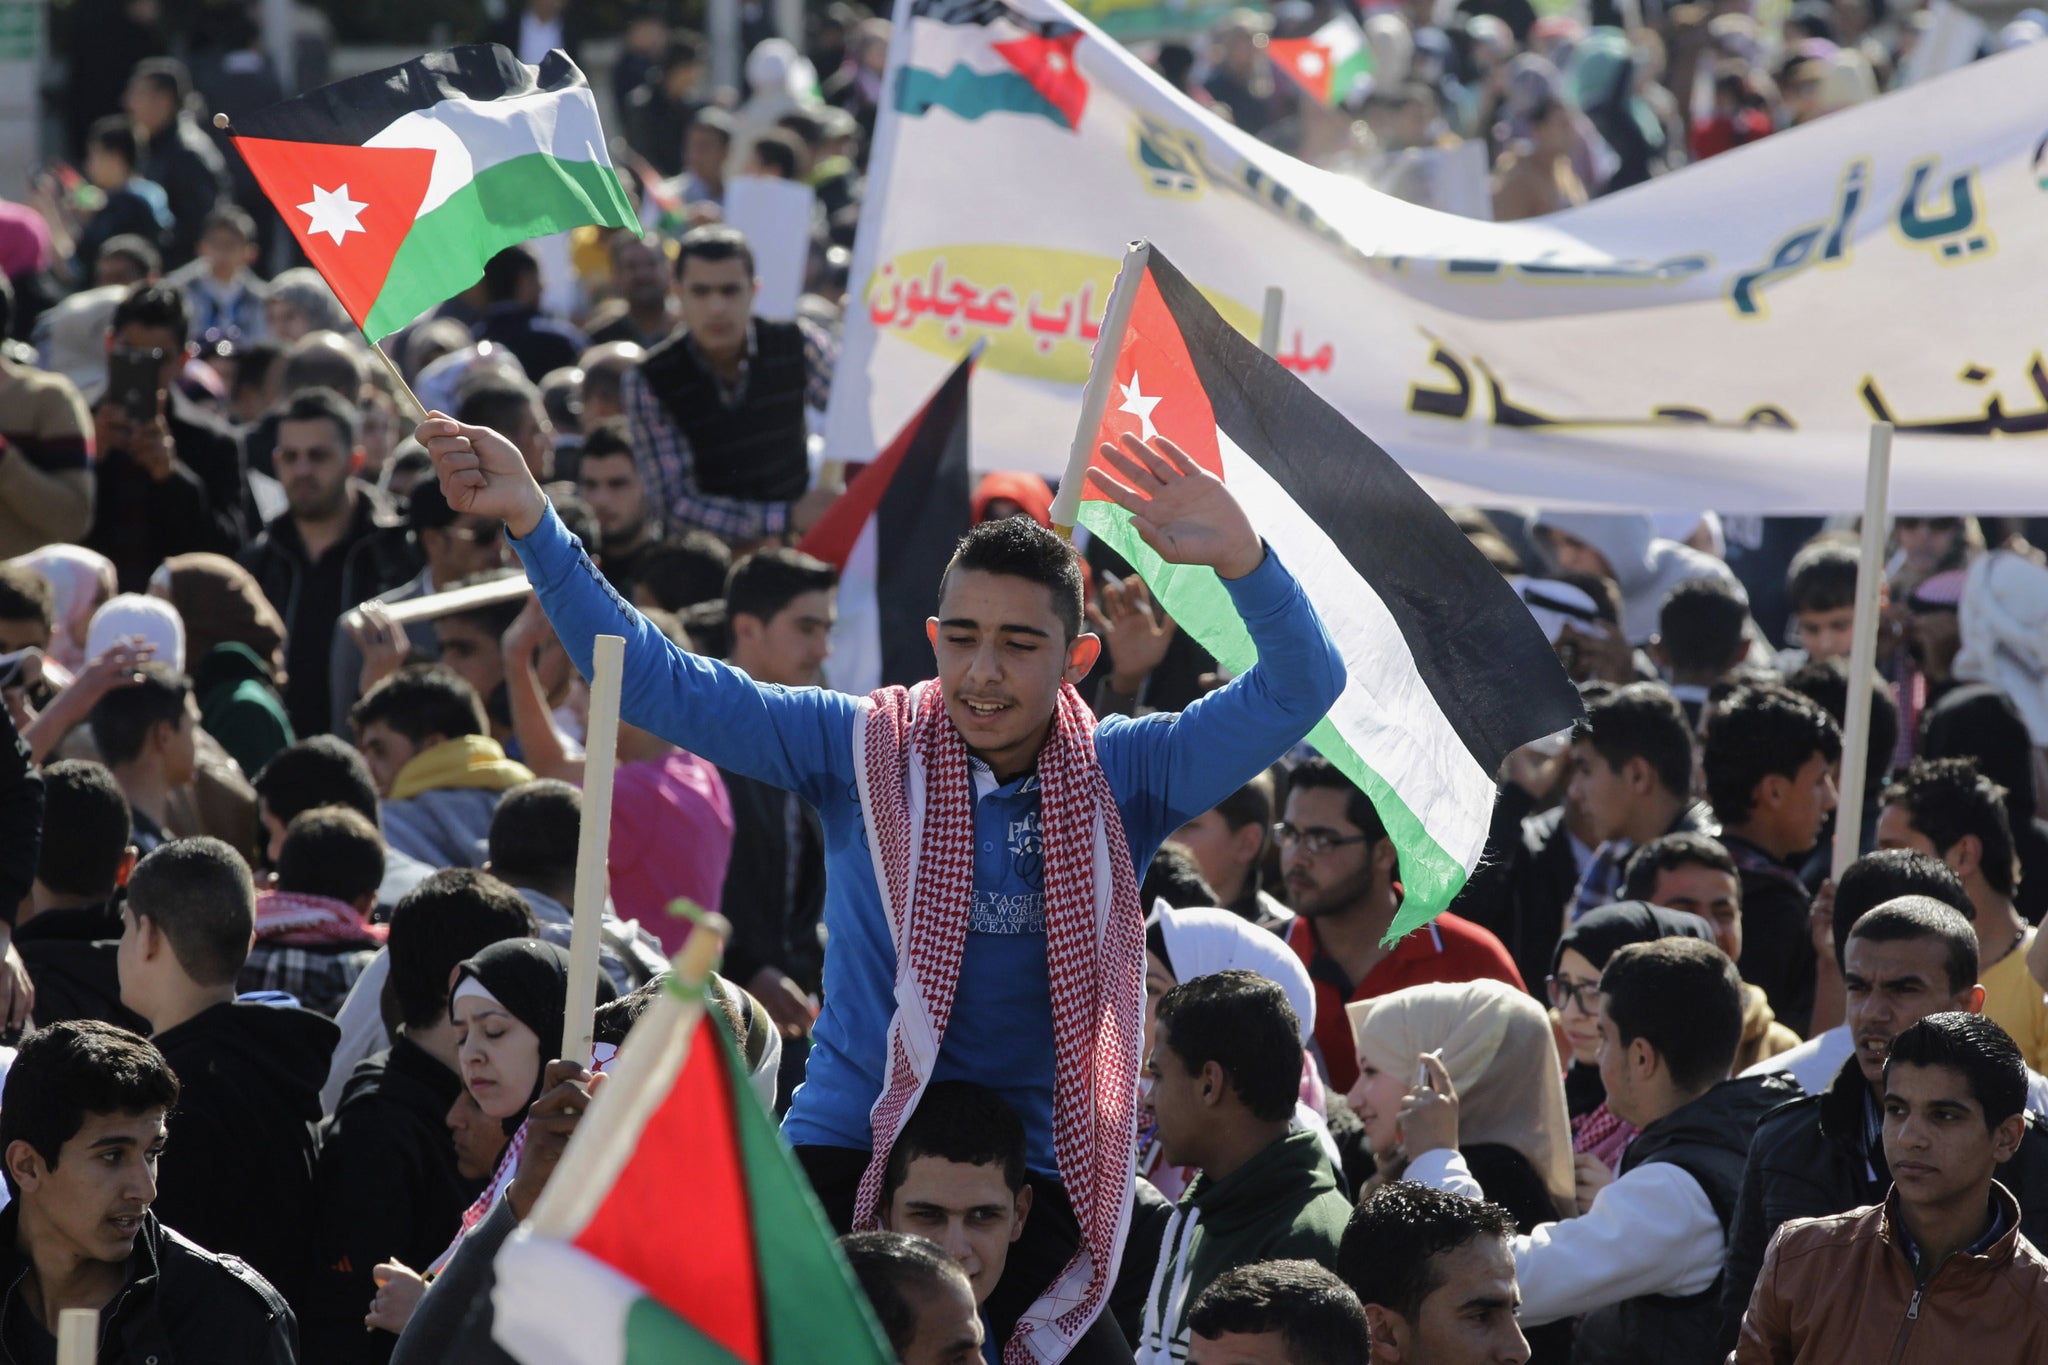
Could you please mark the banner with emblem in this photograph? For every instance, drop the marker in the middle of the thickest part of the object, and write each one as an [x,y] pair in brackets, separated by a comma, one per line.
[1719,338]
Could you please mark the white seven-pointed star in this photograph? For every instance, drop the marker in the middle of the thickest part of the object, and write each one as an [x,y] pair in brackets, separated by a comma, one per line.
[1139,406]
[333,213]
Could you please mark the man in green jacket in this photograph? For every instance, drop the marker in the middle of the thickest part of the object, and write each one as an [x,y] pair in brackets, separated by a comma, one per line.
[1224,1073]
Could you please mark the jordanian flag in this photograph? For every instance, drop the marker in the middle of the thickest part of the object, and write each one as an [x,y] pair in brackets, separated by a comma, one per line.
[677,1229]
[1330,62]
[891,537]
[1448,672]
[401,183]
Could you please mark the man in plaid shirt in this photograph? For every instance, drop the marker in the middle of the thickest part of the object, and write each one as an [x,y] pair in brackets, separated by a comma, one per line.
[718,409]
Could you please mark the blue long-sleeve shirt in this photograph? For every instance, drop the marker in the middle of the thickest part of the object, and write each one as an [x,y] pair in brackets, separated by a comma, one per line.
[1164,769]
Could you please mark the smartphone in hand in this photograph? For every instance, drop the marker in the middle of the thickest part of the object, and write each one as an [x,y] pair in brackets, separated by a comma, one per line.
[132,381]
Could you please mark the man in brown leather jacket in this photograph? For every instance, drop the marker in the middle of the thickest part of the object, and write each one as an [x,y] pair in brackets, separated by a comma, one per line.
[1939,1271]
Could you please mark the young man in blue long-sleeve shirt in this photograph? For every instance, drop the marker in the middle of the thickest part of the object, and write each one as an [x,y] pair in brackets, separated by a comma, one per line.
[1006,639]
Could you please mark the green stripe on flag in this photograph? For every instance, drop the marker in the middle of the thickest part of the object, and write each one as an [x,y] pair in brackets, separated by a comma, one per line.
[503,205]
[1197,600]
[655,1336]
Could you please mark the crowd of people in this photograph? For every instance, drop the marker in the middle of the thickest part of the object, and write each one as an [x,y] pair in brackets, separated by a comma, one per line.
[290,786]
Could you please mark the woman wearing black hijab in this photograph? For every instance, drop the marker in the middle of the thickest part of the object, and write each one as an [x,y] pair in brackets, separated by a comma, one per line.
[509,1002]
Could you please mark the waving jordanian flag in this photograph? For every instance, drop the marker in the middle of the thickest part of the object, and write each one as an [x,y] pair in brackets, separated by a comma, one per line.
[401,183]
[1330,62]
[677,1229]
[1448,672]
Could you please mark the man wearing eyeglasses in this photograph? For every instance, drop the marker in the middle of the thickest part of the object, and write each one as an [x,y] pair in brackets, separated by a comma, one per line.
[1344,886]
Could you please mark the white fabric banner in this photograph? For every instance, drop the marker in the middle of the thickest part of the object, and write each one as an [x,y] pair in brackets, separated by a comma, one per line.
[1719,338]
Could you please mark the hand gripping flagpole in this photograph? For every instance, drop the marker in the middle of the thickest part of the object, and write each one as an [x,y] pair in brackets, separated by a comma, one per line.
[1863,652]
[601,755]
[1116,320]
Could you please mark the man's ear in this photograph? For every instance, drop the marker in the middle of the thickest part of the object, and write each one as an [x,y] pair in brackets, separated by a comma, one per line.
[1384,858]
[1965,857]
[1769,794]
[931,631]
[1657,654]
[1023,1211]
[1248,841]
[130,856]
[1389,1334]
[25,1164]
[1215,1084]
[2005,1138]
[1973,1000]
[1643,1060]
[1081,656]
[365,903]
[1640,776]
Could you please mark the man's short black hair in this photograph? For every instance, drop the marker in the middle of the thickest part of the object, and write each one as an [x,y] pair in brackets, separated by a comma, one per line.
[321,404]
[114,133]
[1947,798]
[1316,1314]
[1316,772]
[254,362]
[1242,1022]
[1977,1047]
[25,595]
[1176,878]
[1251,804]
[1886,875]
[962,1122]
[331,851]
[1761,732]
[714,241]
[504,272]
[168,75]
[123,719]
[765,582]
[86,828]
[323,360]
[199,894]
[420,701]
[780,152]
[1672,851]
[534,832]
[1642,720]
[1825,682]
[234,218]
[1685,997]
[135,248]
[1911,917]
[1700,624]
[73,1069]
[502,401]
[154,305]
[687,570]
[898,1272]
[1392,1245]
[1021,548]
[450,917]
[321,771]
[1822,577]
[608,439]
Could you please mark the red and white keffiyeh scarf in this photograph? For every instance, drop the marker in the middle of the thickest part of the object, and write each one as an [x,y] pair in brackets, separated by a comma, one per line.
[917,799]
[299,920]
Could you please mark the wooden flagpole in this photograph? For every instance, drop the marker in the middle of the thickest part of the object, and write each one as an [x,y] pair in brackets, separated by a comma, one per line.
[1116,320]
[1863,651]
[78,1332]
[601,756]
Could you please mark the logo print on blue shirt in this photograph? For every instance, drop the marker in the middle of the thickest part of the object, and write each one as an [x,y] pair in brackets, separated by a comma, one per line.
[1027,853]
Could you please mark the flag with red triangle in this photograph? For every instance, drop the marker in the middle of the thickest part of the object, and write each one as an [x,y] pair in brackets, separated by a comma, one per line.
[1330,63]
[891,536]
[677,1229]
[400,184]
[1447,671]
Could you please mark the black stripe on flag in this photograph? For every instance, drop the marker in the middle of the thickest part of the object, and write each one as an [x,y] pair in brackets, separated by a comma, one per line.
[1482,655]
[918,524]
[350,112]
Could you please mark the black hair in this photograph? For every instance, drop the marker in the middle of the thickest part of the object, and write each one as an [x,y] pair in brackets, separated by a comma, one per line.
[714,241]
[25,595]
[685,48]
[254,360]
[1176,878]
[123,719]
[896,1272]
[504,272]
[614,1019]
[1700,625]
[1316,772]
[1251,804]
[576,515]
[168,75]
[447,919]
[1910,917]
[534,833]
[608,440]
[780,152]
[708,627]
[499,402]
[137,248]
[1741,676]
[764,583]
[1886,875]
[427,508]
[1683,849]
[1020,548]
[154,305]
[201,897]
[1391,1245]
[321,771]
[495,618]
[1977,1047]
[1315,1313]
[962,1122]
[1642,720]
[1762,732]
[421,700]
[331,851]
[1242,1022]
[1825,682]
[604,377]
[1685,997]
[1822,577]
[1947,798]
[323,360]
[808,128]
[114,133]
[72,1069]
[683,571]
[231,216]
[86,828]
[325,405]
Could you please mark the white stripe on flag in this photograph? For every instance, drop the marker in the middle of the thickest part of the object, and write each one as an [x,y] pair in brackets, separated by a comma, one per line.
[856,662]
[467,136]
[554,1305]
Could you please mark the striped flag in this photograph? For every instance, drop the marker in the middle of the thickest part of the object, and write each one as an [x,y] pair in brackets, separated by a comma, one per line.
[677,1229]
[891,536]
[1329,63]
[1448,672]
[401,183]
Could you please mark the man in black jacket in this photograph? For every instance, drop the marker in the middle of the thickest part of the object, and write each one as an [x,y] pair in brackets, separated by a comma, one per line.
[81,1131]
[176,152]
[67,931]
[1821,1155]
